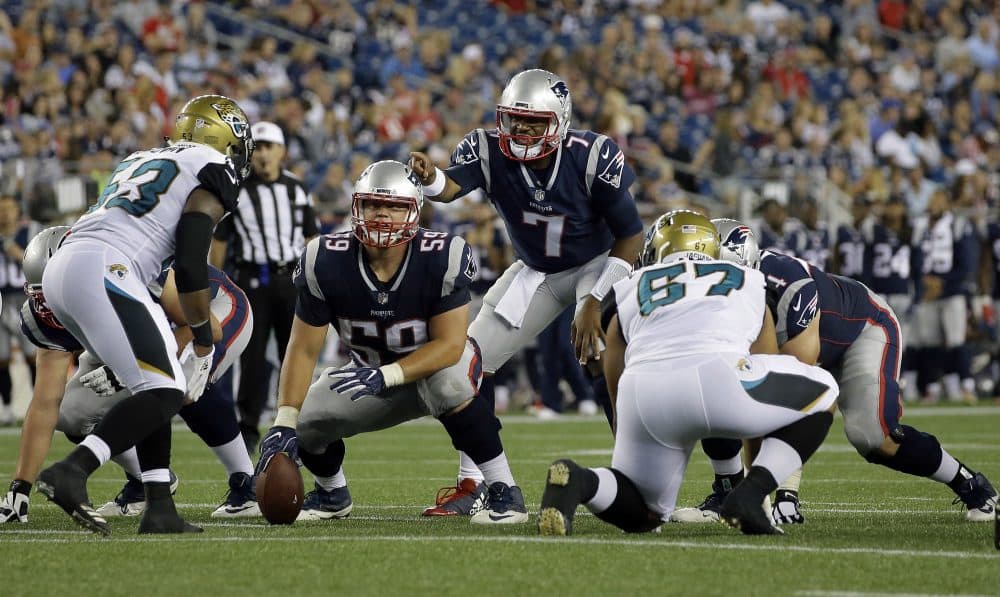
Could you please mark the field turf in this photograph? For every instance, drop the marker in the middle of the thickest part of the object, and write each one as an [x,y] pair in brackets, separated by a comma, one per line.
[869,530]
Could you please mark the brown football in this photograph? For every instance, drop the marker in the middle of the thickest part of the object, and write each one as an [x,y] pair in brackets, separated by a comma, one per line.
[280,491]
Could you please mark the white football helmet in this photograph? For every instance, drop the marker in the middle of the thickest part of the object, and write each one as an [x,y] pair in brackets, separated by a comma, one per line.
[534,93]
[393,184]
[738,243]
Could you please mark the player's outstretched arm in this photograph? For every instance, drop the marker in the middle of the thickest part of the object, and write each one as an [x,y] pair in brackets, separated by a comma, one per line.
[437,185]
[43,411]
[304,346]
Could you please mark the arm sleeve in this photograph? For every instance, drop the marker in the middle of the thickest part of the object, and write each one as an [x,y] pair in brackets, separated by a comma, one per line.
[470,163]
[220,180]
[609,308]
[610,178]
[225,228]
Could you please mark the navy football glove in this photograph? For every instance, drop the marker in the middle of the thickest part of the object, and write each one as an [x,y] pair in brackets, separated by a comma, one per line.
[278,439]
[358,382]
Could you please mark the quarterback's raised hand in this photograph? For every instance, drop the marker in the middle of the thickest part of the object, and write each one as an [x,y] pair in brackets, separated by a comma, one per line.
[423,167]
[357,382]
[101,381]
[278,439]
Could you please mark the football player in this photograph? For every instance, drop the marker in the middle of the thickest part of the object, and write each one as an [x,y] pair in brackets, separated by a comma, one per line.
[13,239]
[398,296]
[950,263]
[849,256]
[564,197]
[815,236]
[776,231]
[704,324]
[158,203]
[94,389]
[849,330]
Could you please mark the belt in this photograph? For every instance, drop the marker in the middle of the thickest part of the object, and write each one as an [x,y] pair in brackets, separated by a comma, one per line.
[266,271]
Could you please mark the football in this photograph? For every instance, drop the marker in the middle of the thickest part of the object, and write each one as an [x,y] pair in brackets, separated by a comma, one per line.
[280,491]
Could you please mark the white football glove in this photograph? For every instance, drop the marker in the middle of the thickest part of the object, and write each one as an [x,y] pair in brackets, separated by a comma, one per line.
[196,370]
[101,381]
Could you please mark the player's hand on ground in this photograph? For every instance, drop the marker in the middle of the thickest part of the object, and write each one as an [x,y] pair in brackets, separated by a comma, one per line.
[586,332]
[278,439]
[423,167]
[101,381]
[357,382]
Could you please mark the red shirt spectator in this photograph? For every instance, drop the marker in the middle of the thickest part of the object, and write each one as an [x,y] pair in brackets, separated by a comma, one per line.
[891,13]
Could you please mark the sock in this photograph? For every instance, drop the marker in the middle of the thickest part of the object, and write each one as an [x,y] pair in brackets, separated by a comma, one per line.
[132,419]
[793,481]
[156,475]
[5,385]
[212,418]
[467,469]
[154,450]
[234,456]
[497,469]
[961,475]
[326,463]
[20,486]
[600,489]
[158,494]
[129,460]
[778,458]
[919,454]
[90,454]
[628,511]
[332,482]
[474,430]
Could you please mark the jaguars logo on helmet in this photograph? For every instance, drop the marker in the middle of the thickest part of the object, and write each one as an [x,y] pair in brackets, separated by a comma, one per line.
[220,123]
[680,231]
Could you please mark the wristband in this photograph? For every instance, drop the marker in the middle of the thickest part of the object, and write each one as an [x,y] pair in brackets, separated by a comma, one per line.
[288,416]
[614,269]
[437,187]
[392,374]
[202,333]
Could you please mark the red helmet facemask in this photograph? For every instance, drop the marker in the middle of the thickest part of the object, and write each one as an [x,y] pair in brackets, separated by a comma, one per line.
[34,292]
[524,148]
[384,233]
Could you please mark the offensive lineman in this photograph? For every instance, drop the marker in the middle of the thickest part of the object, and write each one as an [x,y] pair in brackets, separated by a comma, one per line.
[398,296]
[685,334]
[158,202]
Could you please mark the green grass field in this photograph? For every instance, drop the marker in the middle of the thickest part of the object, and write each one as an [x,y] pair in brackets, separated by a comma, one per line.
[869,530]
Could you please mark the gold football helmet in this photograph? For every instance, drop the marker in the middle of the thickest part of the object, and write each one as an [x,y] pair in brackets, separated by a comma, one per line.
[677,231]
[218,122]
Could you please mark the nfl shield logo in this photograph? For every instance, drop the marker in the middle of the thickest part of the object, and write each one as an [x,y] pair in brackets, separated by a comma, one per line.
[539,195]
[382,298]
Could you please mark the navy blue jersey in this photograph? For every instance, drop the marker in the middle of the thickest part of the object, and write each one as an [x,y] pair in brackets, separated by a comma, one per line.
[993,238]
[891,263]
[381,322]
[950,251]
[815,247]
[850,249]
[40,326]
[560,217]
[797,291]
[789,242]
[11,276]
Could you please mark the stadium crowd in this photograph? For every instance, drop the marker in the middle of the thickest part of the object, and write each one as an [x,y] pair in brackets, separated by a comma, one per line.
[890,103]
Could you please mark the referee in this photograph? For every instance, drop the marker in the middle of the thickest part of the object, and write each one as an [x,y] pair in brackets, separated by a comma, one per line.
[271,225]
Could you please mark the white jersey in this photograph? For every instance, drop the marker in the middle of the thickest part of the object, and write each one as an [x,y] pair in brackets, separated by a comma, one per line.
[142,203]
[688,307]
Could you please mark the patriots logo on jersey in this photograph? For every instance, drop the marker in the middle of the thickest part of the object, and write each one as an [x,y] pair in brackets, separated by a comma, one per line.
[612,174]
[467,151]
[471,270]
[808,313]
[561,91]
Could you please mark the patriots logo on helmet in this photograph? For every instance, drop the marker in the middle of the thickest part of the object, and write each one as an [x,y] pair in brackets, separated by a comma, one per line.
[561,90]
[737,238]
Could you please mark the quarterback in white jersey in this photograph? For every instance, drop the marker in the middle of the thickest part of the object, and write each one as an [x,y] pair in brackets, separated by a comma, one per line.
[685,336]
[158,204]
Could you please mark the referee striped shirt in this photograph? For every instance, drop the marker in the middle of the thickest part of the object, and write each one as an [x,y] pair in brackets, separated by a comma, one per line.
[271,222]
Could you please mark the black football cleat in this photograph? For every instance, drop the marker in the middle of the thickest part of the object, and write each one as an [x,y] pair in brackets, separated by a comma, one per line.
[163,519]
[743,509]
[65,485]
[560,499]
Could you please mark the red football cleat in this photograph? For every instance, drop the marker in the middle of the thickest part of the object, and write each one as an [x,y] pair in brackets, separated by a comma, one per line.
[464,499]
